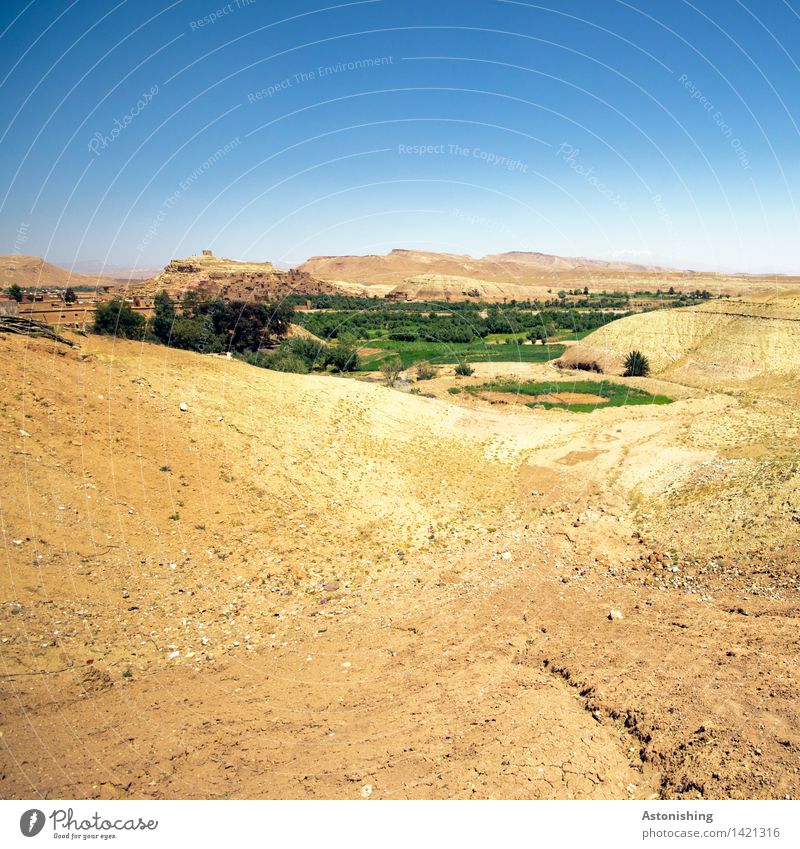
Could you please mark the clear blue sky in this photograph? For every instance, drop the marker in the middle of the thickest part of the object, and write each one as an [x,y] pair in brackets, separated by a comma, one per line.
[666,132]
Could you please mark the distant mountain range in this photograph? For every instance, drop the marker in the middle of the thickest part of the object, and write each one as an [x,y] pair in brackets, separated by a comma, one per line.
[401,273]
[513,267]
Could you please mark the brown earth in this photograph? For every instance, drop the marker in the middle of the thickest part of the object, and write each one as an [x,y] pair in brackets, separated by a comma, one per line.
[572,398]
[308,586]
[32,272]
[428,275]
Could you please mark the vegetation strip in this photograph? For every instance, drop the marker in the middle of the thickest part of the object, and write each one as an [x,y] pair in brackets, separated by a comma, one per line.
[612,394]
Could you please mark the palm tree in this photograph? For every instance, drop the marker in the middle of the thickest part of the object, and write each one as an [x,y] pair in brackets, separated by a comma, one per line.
[636,365]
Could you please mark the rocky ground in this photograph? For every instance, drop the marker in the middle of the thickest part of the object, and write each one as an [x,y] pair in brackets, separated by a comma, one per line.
[316,587]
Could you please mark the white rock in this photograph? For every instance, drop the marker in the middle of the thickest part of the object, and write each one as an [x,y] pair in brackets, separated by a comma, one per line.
[184,407]
[615,614]
[366,791]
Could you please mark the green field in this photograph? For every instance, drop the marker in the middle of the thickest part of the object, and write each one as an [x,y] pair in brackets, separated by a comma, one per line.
[449,353]
[617,394]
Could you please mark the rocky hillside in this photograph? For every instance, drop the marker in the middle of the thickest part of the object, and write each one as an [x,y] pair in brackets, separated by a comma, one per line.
[228,278]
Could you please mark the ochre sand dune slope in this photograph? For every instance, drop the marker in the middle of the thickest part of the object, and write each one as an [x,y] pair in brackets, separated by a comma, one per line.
[720,342]
[305,586]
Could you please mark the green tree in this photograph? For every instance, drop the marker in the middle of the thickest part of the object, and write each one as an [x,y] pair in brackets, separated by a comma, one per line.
[15,292]
[69,296]
[315,354]
[344,354]
[195,334]
[116,318]
[164,316]
[636,365]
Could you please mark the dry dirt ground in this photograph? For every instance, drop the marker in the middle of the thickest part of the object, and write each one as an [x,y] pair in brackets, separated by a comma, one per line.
[307,586]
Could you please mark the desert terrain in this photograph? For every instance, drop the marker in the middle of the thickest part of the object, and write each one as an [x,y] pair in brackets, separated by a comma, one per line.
[520,275]
[223,581]
[32,272]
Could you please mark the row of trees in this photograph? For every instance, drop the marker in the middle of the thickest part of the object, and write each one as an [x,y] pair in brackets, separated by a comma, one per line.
[214,325]
[207,325]
[458,326]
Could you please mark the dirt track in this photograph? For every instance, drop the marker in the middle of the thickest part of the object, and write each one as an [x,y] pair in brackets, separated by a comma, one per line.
[311,587]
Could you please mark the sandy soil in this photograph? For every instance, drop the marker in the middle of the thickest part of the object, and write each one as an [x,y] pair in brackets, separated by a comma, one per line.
[306,586]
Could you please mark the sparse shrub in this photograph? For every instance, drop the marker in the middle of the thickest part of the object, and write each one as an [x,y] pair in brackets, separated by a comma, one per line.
[426,370]
[454,390]
[581,365]
[391,370]
[464,369]
[636,365]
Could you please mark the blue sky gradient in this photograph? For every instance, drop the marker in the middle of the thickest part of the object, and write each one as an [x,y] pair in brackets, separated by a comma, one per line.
[134,132]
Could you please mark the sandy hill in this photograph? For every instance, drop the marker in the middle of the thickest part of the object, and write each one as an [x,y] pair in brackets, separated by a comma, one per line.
[400,264]
[32,272]
[719,342]
[229,278]
[444,287]
[262,594]
[516,274]
[549,262]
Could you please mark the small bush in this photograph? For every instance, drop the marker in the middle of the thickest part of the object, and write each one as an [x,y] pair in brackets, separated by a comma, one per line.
[426,371]
[391,370]
[581,365]
[636,365]
[464,369]
[454,390]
